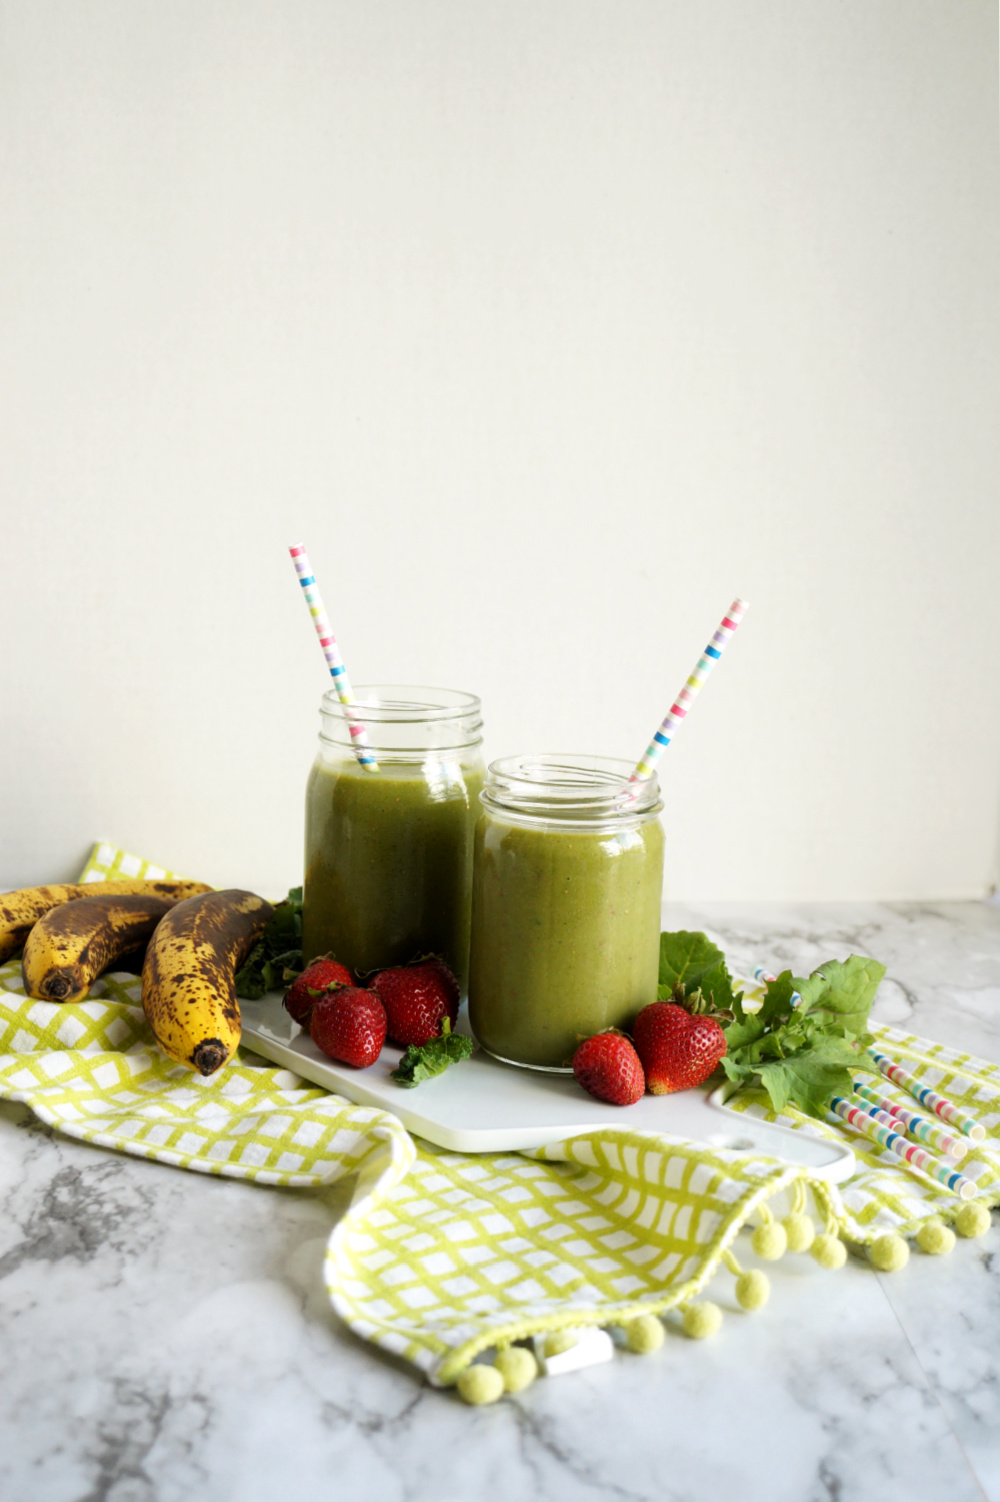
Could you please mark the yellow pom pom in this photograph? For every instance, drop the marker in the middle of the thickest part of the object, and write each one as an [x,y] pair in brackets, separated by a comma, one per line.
[480,1384]
[753,1289]
[935,1237]
[769,1241]
[973,1219]
[701,1320]
[517,1366]
[889,1253]
[559,1341]
[644,1334]
[800,1233]
[829,1251]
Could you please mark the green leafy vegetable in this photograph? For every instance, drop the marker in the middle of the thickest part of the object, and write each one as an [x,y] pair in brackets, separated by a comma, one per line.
[427,1060]
[799,1054]
[814,1069]
[805,1053]
[843,992]
[690,962]
[276,958]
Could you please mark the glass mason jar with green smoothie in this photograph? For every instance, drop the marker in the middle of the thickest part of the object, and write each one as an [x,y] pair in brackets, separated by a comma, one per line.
[566,896]
[388,857]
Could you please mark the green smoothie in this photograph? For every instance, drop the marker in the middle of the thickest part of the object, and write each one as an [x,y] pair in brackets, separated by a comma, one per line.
[565,935]
[388,861]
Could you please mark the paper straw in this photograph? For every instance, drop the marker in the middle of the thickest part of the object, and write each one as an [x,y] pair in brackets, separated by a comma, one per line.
[875,1131]
[884,1118]
[678,710]
[917,1126]
[937,1103]
[327,640]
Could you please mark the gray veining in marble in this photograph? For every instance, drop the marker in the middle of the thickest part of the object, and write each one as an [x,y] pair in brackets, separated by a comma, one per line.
[166,1336]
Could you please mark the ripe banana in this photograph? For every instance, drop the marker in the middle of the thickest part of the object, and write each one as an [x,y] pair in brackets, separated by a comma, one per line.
[20,911]
[188,991]
[71,945]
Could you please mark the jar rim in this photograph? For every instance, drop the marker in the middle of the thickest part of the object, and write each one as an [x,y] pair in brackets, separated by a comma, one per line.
[570,786]
[404,704]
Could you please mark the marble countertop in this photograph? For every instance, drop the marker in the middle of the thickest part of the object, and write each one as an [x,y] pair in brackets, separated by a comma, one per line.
[167,1336]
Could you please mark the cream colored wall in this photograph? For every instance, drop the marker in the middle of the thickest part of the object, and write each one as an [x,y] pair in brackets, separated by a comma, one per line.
[549,327]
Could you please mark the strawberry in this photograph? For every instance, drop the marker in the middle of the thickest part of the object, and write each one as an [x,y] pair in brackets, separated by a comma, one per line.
[449,984]
[349,1025]
[416,999]
[608,1067]
[322,975]
[676,1049]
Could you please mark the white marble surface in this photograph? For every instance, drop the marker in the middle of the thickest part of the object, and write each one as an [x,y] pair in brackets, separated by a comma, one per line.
[166,1336]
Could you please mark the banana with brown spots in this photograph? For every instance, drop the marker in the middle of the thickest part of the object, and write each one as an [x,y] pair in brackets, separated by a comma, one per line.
[188,989]
[21,910]
[71,945]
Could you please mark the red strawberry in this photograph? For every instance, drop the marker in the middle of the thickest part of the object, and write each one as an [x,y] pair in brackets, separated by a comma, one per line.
[677,1050]
[321,975]
[608,1067]
[416,999]
[450,986]
[349,1025]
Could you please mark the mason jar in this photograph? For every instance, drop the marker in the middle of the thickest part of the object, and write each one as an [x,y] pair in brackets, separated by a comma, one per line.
[388,853]
[566,893]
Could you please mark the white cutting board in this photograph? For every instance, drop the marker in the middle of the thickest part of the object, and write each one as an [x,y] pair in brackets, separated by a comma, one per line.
[482,1106]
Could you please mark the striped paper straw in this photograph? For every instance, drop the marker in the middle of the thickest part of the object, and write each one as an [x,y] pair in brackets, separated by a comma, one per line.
[765,978]
[327,640]
[678,710]
[884,1118]
[937,1103]
[875,1131]
[918,1126]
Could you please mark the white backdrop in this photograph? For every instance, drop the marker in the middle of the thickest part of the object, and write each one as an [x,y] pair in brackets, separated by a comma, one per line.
[548,326]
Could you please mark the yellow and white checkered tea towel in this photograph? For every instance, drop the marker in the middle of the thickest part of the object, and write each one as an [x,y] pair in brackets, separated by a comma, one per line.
[443,1254]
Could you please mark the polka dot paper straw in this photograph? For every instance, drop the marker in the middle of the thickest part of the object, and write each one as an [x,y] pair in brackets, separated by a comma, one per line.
[327,640]
[918,1126]
[927,1097]
[862,1120]
[678,710]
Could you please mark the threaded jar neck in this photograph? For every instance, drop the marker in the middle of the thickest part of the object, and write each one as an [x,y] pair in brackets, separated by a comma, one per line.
[568,790]
[404,722]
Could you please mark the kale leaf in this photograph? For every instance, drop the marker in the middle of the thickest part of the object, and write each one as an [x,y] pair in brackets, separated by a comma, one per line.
[276,958]
[800,1054]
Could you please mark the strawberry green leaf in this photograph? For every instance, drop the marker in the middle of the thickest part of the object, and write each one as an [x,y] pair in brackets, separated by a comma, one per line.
[424,1062]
